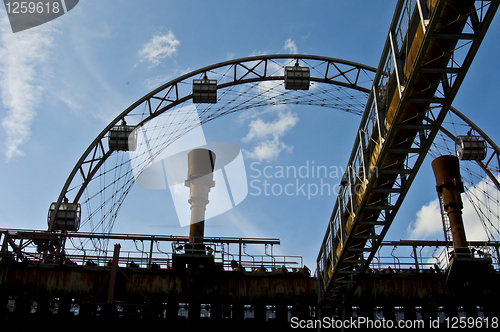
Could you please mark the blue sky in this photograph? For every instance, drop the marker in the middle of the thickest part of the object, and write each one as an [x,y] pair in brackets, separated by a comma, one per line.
[62,82]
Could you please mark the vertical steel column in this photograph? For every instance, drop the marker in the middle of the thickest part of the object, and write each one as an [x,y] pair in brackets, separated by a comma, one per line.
[194,310]
[389,312]
[259,312]
[429,312]
[281,312]
[112,277]
[64,307]
[4,300]
[451,309]
[238,312]
[172,310]
[151,251]
[409,311]
[216,311]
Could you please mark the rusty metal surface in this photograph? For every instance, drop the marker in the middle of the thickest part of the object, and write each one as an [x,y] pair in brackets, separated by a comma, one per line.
[449,186]
[402,288]
[162,285]
[86,282]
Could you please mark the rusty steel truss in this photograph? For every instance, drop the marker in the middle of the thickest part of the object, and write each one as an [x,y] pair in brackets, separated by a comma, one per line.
[417,79]
[140,250]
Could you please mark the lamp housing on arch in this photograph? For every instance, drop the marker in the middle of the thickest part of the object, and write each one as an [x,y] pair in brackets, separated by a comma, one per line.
[204,91]
[297,78]
[470,147]
[67,217]
[122,138]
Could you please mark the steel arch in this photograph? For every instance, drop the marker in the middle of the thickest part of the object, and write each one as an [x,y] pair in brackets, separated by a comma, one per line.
[345,74]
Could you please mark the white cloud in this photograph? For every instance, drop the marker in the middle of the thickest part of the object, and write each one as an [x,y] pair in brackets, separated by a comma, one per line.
[485,196]
[23,56]
[428,223]
[157,81]
[268,150]
[290,46]
[267,136]
[474,229]
[259,129]
[159,47]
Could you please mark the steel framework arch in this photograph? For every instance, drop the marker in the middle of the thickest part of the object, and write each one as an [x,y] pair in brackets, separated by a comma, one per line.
[335,83]
[253,71]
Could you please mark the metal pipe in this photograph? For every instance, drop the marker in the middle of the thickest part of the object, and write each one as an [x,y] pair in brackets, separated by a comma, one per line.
[151,251]
[112,277]
[449,185]
[39,234]
[200,179]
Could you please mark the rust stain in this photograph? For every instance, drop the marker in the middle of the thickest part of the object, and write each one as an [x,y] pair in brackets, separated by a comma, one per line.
[84,282]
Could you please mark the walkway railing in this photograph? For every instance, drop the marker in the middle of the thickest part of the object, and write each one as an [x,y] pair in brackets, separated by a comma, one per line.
[140,251]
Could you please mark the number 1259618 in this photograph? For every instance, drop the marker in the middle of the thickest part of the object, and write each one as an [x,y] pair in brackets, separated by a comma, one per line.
[32,7]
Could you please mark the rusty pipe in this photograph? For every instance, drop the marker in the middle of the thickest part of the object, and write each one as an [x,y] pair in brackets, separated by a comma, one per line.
[449,186]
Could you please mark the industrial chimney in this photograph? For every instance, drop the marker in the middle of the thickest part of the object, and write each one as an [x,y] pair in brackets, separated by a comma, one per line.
[200,179]
[449,186]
